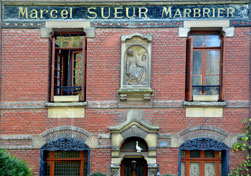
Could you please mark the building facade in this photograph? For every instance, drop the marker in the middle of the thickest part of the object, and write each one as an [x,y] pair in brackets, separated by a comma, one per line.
[125,88]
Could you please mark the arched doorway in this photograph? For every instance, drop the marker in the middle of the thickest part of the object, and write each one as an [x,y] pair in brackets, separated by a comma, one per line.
[133,163]
[133,167]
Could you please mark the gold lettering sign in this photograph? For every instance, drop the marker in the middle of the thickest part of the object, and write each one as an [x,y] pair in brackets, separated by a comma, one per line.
[126,12]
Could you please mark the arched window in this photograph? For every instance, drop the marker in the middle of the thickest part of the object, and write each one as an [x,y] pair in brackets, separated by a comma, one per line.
[65,156]
[200,163]
[203,157]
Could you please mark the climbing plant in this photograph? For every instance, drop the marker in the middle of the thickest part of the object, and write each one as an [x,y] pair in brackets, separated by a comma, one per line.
[98,174]
[244,145]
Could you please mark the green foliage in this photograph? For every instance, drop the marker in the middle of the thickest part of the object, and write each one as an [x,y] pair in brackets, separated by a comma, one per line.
[98,174]
[10,165]
[244,145]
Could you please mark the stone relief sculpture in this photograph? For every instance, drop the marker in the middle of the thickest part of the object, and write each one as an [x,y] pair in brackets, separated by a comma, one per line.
[135,79]
[136,66]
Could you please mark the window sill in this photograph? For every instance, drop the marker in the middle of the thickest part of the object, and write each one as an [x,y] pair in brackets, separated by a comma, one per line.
[135,94]
[66,110]
[204,104]
[72,104]
[204,109]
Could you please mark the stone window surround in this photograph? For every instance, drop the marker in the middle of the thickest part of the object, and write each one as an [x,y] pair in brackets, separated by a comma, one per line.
[204,108]
[223,25]
[56,109]
[53,26]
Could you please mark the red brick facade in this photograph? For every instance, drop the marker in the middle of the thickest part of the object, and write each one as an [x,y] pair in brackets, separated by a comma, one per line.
[25,83]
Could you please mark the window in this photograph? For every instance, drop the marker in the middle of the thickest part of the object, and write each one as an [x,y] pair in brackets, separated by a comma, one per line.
[68,65]
[201,163]
[64,163]
[204,65]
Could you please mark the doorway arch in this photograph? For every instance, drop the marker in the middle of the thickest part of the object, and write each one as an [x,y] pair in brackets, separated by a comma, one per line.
[134,167]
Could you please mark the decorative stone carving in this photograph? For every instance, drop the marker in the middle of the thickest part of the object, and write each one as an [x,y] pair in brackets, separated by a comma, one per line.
[115,171]
[65,132]
[152,171]
[203,144]
[135,127]
[135,67]
[203,131]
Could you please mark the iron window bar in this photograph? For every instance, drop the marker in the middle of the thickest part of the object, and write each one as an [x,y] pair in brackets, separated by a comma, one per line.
[68,90]
[204,88]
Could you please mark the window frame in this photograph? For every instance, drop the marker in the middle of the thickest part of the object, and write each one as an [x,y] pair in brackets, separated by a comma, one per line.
[53,52]
[189,62]
[52,160]
[202,159]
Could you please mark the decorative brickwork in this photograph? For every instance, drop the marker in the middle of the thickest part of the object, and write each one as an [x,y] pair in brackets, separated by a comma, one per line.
[203,131]
[65,132]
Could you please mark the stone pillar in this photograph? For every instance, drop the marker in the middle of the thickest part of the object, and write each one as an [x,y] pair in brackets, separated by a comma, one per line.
[152,169]
[115,170]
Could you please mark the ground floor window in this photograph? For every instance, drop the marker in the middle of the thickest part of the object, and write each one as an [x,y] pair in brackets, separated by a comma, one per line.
[201,163]
[64,163]
[65,157]
[203,157]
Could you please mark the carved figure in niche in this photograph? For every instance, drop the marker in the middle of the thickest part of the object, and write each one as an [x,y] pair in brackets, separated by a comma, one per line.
[136,68]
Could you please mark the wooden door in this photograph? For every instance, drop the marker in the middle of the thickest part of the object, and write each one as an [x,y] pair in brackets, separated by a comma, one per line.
[134,167]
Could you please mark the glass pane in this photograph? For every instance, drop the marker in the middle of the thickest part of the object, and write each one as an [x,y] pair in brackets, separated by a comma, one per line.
[183,153]
[77,69]
[183,169]
[67,169]
[213,41]
[195,153]
[48,169]
[197,80]
[212,80]
[209,154]
[197,62]
[67,154]
[213,62]
[198,40]
[209,169]
[194,169]
[85,168]
[219,154]
[77,41]
[69,40]
[62,41]
[220,169]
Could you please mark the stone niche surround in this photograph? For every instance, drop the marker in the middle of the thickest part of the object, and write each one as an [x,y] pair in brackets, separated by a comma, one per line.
[135,68]
[134,126]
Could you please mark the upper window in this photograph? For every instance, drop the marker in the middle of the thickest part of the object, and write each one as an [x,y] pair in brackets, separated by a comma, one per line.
[68,65]
[204,65]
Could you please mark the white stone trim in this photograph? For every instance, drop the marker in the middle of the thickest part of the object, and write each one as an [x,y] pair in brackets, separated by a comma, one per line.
[51,26]
[67,24]
[207,24]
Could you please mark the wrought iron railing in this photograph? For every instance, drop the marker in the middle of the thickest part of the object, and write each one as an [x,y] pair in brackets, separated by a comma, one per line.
[205,88]
[67,90]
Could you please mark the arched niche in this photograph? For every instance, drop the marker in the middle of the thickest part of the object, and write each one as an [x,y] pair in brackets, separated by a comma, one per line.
[127,133]
[129,145]
[135,67]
